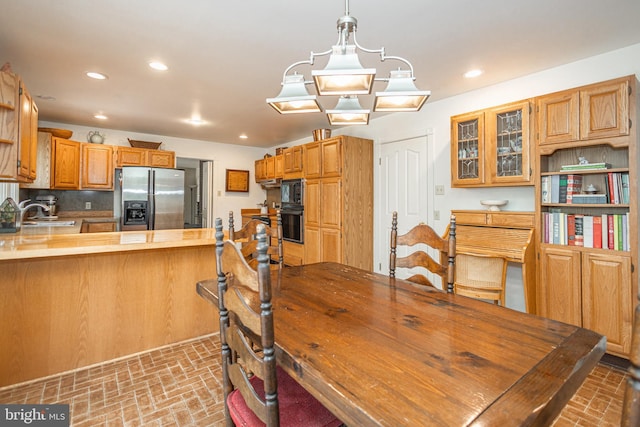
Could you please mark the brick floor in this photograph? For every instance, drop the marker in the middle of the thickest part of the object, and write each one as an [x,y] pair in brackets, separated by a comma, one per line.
[179,386]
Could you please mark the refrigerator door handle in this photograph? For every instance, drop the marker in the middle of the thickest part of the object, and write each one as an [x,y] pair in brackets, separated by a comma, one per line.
[152,201]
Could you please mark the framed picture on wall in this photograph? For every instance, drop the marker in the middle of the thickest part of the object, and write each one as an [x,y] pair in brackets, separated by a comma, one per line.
[237,180]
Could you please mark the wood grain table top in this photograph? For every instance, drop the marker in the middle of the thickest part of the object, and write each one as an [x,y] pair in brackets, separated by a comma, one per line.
[380,351]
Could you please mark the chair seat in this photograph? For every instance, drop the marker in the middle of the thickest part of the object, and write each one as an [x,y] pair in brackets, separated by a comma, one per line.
[297,406]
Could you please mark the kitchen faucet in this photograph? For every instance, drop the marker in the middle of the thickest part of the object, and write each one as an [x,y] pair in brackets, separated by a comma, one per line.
[23,207]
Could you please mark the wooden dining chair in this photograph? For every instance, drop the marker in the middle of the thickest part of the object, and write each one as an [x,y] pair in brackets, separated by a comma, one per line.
[247,234]
[423,234]
[481,276]
[256,391]
[631,402]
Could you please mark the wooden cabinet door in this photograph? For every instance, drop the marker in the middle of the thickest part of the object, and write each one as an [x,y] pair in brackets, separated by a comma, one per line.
[161,159]
[293,160]
[604,111]
[330,245]
[330,202]
[260,170]
[312,160]
[28,137]
[312,204]
[507,143]
[270,166]
[332,157]
[9,107]
[97,167]
[558,117]
[98,227]
[279,161]
[312,252]
[560,291]
[66,164]
[130,156]
[467,149]
[607,298]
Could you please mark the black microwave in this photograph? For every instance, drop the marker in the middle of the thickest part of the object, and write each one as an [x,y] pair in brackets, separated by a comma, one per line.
[291,192]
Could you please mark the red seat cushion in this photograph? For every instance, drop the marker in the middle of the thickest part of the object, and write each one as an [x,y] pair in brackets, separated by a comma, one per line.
[297,407]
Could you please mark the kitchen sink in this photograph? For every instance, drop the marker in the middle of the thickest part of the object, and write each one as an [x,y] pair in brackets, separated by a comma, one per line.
[48,223]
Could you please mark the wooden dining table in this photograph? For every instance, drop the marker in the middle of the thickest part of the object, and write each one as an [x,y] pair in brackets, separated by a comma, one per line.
[379,351]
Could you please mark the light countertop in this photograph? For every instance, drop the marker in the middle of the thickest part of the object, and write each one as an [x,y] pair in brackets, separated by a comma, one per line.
[42,244]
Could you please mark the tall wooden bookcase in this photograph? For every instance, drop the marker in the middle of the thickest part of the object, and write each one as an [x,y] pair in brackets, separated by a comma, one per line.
[595,287]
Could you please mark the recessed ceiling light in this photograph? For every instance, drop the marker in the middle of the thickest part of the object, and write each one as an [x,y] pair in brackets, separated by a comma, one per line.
[243,136]
[196,121]
[96,75]
[158,66]
[100,116]
[473,73]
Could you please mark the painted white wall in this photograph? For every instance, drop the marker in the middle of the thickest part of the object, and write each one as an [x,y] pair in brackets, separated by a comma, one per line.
[224,156]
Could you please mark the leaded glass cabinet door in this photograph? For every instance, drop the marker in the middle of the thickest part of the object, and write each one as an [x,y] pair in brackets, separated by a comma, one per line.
[508,143]
[467,149]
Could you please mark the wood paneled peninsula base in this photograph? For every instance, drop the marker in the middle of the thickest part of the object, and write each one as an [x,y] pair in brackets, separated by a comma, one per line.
[70,301]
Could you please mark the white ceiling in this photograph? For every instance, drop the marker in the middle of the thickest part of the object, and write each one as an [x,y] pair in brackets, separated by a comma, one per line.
[226,58]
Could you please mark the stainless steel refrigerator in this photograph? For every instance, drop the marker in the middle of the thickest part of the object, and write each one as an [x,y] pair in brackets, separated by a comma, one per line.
[149,198]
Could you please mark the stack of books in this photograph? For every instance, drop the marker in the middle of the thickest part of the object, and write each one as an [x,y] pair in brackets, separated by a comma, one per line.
[585,167]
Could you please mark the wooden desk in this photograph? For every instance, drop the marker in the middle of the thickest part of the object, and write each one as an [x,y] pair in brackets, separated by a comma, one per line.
[379,351]
[505,234]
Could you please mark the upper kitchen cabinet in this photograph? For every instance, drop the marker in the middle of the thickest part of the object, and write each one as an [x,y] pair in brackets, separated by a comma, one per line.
[323,159]
[492,147]
[269,168]
[65,161]
[130,156]
[97,167]
[292,162]
[593,112]
[18,130]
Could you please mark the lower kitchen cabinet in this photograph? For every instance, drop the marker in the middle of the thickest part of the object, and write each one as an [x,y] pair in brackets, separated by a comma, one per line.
[589,289]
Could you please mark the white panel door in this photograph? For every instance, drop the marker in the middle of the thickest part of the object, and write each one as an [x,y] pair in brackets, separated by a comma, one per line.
[404,183]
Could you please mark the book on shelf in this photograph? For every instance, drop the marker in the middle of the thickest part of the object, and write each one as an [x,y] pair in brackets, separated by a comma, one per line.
[579,227]
[545,185]
[587,231]
[624,179]
[571,230]
[562,190]
[610,231]
[574,186]
[585,166]
[555,188]
[597,231]
[589,199]
[605,232]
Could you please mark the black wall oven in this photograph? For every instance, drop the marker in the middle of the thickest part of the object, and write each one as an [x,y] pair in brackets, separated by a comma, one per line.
[292,225]
[292,211]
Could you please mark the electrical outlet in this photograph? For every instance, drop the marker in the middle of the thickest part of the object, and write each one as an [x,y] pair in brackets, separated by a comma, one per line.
[219,193]
[87,205]
[436,215]
[439,190]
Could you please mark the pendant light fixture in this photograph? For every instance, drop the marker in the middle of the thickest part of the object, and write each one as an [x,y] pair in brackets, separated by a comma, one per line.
[344,76]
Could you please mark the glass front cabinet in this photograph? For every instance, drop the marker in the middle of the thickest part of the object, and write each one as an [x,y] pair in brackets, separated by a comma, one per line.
[491,147]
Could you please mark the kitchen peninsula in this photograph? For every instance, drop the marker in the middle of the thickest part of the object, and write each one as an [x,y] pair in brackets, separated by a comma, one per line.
[74,300]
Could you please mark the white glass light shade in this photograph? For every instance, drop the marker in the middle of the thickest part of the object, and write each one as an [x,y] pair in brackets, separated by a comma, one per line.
[344,75]
[401,94]
[294,98]
[348,112]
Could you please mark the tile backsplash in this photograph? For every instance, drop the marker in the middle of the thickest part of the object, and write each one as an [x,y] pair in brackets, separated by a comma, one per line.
[70,200]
